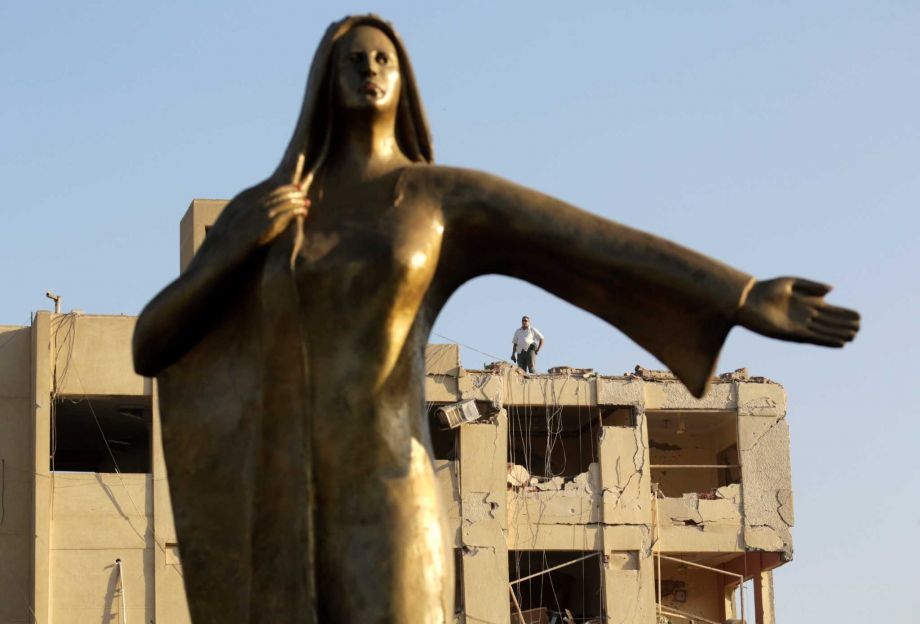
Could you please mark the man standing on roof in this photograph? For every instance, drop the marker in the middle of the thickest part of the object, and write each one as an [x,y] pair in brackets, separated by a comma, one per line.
[525,345]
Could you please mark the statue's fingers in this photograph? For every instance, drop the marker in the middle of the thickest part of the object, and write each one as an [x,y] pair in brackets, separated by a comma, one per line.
[835,321]
[825,340]
[845,334]
[808,287]
[290,206]
[838,312]
[280,198]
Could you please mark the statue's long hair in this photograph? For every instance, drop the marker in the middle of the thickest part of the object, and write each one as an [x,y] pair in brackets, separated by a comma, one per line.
[310,142]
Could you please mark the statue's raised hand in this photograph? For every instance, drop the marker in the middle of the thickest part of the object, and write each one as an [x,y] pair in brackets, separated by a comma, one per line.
[792,308]
[279,208]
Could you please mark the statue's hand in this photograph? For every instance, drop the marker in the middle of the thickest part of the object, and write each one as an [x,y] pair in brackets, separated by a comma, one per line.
[278,209]
[792,308]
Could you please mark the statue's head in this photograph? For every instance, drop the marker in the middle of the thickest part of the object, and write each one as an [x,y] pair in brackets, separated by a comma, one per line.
[360,65]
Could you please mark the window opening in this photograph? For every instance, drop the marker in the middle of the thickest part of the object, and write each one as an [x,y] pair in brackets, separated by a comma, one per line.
[444,442]
[693,452]
[556,587]
[554,441]
[104,434]
[692,587]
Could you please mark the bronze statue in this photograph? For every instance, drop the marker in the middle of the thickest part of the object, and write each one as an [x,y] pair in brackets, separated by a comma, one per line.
[290,355]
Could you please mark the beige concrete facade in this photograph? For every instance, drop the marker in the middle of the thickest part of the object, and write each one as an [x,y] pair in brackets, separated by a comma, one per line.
[63,525]
[609,471]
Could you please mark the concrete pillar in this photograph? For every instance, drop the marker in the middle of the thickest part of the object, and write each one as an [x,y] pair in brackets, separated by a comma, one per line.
[629,588]
[629,570]
[484,524]
[42,348]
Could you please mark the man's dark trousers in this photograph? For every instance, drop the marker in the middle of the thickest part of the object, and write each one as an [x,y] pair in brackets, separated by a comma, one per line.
[527,359]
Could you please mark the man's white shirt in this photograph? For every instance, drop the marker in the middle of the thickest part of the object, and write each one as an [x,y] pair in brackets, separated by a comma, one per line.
[523,338]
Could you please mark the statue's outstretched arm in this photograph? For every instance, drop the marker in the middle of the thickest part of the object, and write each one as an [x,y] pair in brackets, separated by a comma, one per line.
[180,314]
[675,302]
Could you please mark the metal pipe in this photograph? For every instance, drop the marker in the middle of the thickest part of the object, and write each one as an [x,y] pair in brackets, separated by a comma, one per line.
[121,581]
[658,546]
[700,565]
[56,299]
[517,605]
[547,570]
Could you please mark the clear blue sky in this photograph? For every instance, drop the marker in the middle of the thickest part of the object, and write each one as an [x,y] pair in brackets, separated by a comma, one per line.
[781,137]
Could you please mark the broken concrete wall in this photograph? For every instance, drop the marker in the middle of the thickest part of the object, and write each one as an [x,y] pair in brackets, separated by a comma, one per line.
[763,434]
[557,500]
[694,524]
[625,476]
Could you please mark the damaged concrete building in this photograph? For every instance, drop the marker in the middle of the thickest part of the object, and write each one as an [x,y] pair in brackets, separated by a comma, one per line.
[572,496]
[615,499]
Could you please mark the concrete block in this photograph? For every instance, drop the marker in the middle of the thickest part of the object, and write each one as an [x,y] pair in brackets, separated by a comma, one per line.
[761,399]
[620,391]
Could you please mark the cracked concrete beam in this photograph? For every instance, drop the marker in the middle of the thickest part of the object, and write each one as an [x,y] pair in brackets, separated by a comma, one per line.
[620,391]
[721,511]
[523,535]
[673,395]
[543,390]
[555,507]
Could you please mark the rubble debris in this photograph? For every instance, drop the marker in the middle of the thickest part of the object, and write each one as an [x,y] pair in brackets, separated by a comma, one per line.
[585,482]
[519,477]
[540,615]
[571,370]
[653,375]
[739,374]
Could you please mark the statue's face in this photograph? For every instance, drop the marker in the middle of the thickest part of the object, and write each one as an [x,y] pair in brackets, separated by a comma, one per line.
[367,75]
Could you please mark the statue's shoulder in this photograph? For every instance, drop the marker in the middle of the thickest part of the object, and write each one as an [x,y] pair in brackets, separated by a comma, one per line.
[449,185]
